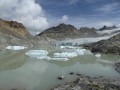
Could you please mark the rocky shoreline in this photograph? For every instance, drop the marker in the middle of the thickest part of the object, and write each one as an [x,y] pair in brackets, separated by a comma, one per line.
[110,46]
[91,83]
[117,66]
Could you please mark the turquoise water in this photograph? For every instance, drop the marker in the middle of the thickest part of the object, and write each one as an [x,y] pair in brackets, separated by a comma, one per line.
[21,72]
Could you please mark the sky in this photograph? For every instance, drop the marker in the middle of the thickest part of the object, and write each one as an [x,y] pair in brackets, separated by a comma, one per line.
[38,15]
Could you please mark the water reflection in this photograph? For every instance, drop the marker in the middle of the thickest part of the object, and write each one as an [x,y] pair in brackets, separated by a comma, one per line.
[12,59]
[85,59]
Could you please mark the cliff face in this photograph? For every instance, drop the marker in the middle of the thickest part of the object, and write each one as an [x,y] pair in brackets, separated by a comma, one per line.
[111,45]
[63,31]
[13,33]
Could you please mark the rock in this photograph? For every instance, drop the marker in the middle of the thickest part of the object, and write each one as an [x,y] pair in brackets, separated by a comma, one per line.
[78,74]
[71,73]
[61,77]
[117,66]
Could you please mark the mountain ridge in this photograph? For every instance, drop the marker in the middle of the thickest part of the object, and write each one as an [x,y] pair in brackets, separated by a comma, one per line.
[67,31]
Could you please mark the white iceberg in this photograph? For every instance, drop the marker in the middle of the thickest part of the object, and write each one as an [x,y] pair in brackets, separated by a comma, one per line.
[49,58]
[69,47]
[15,47]
[43,55]
[34,53]
[80,51]
[58,59]
[98,55]
[65,55]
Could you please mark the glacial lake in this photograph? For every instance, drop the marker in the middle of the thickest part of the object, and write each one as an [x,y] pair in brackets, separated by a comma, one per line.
[22,72]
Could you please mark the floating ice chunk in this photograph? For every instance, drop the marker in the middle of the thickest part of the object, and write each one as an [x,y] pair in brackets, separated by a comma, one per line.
[98,55]
[16,47]
[59,59]
[34,53]
[69,47]
[55,59]
[80,51]
[43,57]
[65,55]
[62,47]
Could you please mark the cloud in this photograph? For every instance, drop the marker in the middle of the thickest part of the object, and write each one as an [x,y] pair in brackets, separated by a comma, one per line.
[64,19]
[27,12]
[108,7]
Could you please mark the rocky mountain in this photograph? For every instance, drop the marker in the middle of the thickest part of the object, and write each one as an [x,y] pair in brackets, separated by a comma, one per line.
[85,31]
[111,45]
[60,31]
[107,28]
[13,33]
[63,31]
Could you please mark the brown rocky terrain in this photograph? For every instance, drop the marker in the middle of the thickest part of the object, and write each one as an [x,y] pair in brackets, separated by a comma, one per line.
[13,28]
[13,33]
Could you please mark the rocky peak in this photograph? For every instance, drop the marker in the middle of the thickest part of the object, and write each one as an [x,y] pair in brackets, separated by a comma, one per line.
[108,28]
[86,28]
[61,28]
[66,26]
[15,24]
